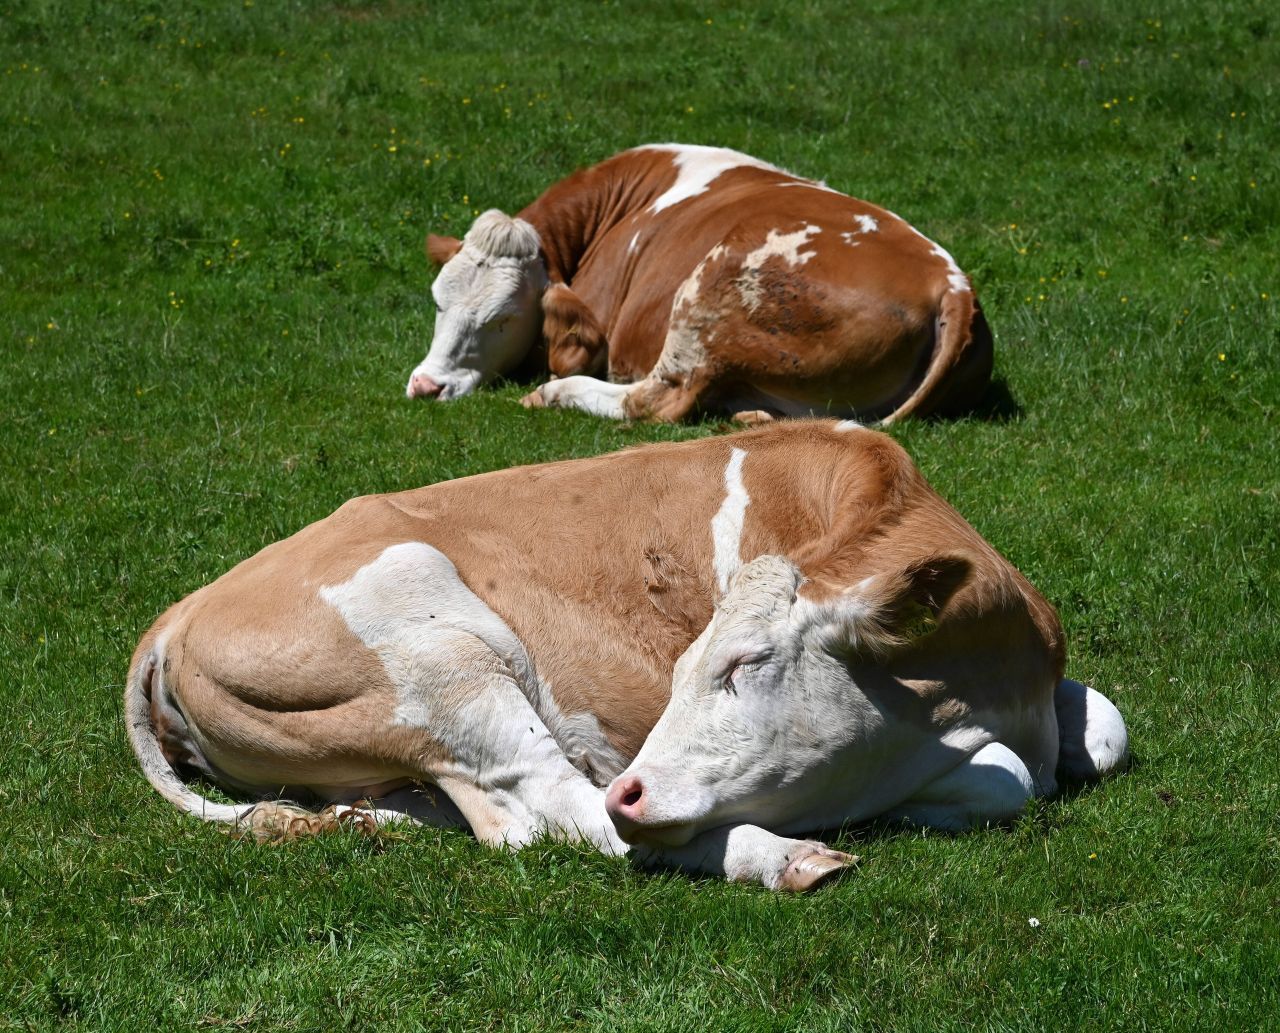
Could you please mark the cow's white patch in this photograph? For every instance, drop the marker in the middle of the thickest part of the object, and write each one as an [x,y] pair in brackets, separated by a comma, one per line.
[697,168]
[956,278]
[631,248]
[844,425]
[785,246]
[598,397]
[812,184]
[726,525]
[411,608]
[683,349]
[866,224]
[461,674]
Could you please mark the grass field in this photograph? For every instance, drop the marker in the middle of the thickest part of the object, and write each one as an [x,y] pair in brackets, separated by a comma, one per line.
[213,291]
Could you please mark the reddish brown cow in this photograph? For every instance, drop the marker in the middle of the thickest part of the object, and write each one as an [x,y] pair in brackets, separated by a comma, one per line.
[698,277]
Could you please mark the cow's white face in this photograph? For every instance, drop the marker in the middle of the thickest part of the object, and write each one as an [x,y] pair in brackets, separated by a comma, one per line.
[761,715]
[487,308]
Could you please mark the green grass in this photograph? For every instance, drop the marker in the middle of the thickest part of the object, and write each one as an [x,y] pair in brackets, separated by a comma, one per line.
[213,291]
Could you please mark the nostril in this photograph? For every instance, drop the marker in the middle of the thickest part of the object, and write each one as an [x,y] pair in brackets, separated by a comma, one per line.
[422,386]
[631,796]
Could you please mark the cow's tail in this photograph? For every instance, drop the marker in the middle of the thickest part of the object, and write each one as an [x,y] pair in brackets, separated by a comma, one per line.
[1093,740]
[266,820]
[144,681]
[960,369]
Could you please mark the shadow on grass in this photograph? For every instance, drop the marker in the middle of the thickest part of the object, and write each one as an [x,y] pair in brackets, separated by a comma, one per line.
[997,404]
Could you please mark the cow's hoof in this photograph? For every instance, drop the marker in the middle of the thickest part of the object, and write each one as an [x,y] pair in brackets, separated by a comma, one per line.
[534,399]
[752,417]
[810,870]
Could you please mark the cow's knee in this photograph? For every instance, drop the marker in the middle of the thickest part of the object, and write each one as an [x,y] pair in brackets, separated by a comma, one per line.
[661,401]
[993,785]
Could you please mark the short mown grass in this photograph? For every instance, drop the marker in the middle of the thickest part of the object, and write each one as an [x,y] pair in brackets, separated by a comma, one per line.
[213,291]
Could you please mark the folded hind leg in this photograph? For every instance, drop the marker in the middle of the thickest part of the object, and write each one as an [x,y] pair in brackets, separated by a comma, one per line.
[993,785]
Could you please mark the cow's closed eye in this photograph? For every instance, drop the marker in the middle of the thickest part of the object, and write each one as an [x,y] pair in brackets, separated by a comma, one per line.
[729,681]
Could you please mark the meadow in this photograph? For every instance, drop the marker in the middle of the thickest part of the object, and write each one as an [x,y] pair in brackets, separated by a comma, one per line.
[213,290]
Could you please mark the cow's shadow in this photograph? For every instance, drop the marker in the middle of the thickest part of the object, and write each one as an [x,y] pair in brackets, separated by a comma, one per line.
[997,404]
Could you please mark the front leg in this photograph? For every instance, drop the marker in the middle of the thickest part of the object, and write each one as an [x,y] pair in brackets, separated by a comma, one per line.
[598,397]
[650,399]
[747,853]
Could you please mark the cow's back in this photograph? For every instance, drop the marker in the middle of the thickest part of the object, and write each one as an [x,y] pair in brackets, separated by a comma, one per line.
[782,257]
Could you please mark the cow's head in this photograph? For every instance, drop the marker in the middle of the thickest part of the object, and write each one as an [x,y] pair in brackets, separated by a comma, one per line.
[487,305]
[764,712]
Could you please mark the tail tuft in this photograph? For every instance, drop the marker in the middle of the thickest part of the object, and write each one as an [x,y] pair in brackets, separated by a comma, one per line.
[274,821]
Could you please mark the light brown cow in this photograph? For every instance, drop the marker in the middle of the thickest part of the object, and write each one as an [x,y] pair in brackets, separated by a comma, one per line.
[698,277]
[510,640]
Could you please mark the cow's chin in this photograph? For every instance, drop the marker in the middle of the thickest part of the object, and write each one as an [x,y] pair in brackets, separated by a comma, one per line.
[660,835]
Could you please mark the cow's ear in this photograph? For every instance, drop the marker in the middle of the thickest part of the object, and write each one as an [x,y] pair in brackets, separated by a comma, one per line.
[883,612]
[441,249]
[575,342]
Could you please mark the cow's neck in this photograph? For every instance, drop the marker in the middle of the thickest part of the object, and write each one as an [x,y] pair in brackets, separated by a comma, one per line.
[572,215]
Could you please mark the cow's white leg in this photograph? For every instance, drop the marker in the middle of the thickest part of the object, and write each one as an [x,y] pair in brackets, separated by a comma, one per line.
[460,718]
[598,397]
[747,853]
[516,784]
[992,785]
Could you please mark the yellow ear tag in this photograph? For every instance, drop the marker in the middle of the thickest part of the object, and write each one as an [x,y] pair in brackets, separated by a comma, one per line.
[917,621]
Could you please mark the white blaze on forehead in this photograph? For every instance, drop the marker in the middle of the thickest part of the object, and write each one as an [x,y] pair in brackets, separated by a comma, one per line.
[697,167]
[726,525]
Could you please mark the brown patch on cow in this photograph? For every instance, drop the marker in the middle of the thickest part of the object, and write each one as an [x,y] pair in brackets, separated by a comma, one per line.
[440,249]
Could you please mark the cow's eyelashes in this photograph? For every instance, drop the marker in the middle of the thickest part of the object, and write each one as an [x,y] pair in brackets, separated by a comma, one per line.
[729,681]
